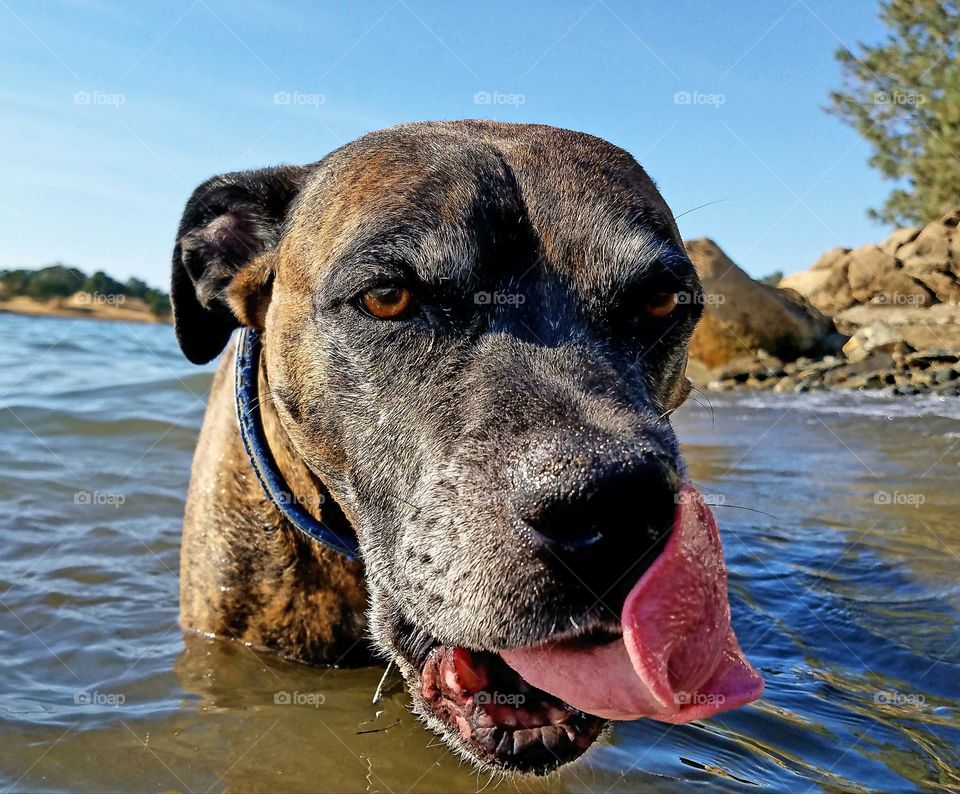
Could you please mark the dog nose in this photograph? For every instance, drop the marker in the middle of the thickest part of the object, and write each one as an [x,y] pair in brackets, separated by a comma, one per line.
[622,501]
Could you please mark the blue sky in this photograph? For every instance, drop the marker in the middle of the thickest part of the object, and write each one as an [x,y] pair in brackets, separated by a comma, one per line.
[113,112]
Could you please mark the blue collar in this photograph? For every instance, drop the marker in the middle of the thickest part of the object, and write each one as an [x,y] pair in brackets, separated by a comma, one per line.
[262,460]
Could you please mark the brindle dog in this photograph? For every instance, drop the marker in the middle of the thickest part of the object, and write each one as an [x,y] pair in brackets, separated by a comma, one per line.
[472,345]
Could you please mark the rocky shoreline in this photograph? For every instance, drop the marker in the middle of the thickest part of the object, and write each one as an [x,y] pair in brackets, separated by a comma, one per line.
[881,316]
[928,372]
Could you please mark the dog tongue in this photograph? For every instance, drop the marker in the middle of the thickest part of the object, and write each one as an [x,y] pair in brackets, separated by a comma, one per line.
[678,659]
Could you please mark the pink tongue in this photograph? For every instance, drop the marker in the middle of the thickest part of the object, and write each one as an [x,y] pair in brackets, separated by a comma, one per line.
[679,659]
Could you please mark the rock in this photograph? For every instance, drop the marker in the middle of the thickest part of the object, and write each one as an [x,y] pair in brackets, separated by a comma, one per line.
[742,315]
[785,385]
[923,328]
[826,288]
[932,259]
[925,358]
[873,276]
[931,249]
[899,237]
[942,284]
[874,381]
[830,258]
[876,338]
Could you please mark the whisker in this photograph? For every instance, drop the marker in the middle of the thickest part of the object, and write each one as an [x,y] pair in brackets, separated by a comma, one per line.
[708,204]
[751,509]
[703,394]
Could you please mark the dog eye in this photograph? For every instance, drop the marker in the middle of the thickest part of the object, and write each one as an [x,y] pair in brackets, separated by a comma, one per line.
[661,305]
[387,303]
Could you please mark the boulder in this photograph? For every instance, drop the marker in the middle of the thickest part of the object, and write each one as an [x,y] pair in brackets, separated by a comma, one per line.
[923,328]
[898,238]
[742,316]
[874,277]
[825,285]
[931,249]
[876,338]
[933,259]
[830,258]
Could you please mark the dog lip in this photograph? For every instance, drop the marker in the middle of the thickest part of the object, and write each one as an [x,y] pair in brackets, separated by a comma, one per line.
[490,711]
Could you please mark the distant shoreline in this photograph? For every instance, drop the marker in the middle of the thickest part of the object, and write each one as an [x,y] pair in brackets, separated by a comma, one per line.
[130,309]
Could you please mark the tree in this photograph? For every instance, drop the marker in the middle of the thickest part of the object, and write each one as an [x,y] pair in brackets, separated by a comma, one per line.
[903,96]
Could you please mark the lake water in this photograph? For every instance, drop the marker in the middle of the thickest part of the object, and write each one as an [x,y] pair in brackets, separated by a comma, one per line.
[840,516]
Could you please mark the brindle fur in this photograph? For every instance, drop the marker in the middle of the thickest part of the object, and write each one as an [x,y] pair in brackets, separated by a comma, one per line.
[442,440]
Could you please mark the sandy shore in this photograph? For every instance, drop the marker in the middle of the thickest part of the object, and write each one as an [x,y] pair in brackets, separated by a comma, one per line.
[130,309]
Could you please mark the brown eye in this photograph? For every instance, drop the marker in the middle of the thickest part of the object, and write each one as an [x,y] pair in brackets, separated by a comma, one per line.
[661,305]
[387,303]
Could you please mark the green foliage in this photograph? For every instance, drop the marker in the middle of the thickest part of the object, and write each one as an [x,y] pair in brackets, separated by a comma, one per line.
[61,281]
[903,96]
[55,281]
[772,279]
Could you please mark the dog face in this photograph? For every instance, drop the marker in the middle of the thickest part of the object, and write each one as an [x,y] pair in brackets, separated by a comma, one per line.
[473,334]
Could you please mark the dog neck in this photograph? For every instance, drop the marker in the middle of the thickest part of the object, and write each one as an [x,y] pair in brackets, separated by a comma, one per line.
[287,482]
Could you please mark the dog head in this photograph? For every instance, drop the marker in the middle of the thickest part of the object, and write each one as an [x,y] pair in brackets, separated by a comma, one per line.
[474,334]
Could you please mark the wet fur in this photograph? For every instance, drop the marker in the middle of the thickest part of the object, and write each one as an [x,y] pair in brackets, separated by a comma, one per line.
[431,441]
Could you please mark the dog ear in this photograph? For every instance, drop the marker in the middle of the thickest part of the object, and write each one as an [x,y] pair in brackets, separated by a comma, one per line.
[229,223]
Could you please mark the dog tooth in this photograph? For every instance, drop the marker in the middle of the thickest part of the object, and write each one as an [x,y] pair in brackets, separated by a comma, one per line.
[523,738]
[552,736]
[556,715]
[464,727]
[450,679]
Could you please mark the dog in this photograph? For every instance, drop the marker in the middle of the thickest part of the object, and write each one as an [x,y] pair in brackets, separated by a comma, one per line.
[443,437]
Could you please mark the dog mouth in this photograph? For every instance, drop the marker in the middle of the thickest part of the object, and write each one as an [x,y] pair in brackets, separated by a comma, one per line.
[501,719]
[675,659]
